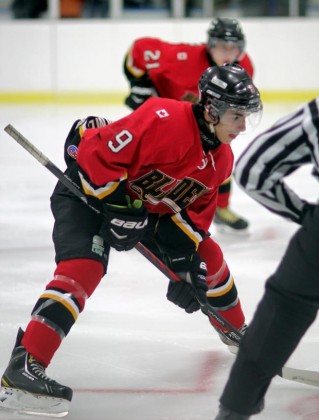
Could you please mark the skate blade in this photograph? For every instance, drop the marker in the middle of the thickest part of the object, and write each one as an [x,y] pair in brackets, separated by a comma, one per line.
[23,402]
[233,349]
[224,229]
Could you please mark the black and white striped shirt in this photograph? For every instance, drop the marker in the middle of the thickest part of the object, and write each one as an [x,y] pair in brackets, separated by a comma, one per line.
[290,143]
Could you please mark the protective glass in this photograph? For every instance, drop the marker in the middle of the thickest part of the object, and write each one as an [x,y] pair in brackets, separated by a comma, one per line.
[241,119]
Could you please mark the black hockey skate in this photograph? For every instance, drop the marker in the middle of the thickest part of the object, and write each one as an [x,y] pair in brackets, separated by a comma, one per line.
[226,414]
[25,388]
[228,221]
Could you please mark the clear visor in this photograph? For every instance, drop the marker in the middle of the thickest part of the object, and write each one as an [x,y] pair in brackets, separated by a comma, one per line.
[239,120]
[226,45]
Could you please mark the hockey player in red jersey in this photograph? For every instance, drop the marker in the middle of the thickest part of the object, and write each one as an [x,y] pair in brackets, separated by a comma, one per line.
[154,176]
[157,68]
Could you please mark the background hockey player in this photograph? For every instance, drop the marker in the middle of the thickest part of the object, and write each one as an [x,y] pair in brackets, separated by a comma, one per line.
[154,175]
[155,67]
[291,299]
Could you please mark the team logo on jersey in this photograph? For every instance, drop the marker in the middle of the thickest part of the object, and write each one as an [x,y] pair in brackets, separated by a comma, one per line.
[156,187]
[72,151]
[162,113]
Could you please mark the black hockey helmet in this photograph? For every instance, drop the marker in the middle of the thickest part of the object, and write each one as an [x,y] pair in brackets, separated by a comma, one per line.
[227,30]
[229,86]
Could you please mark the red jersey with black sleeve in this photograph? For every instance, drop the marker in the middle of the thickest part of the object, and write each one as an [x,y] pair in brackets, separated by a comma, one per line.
[157,151]
[173,69]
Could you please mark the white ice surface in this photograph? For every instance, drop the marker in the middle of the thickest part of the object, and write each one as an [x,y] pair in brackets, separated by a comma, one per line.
[133,355]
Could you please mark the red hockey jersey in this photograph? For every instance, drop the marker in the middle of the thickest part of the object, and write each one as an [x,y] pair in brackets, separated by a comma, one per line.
[158,151]
[174,69]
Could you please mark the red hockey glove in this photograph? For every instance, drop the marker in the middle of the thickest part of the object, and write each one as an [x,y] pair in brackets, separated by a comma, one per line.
[192,270]
[124,226]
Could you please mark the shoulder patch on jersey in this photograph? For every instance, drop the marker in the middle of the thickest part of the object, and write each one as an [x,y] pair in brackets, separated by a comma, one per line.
[182,56]
[72,151]
[162,113]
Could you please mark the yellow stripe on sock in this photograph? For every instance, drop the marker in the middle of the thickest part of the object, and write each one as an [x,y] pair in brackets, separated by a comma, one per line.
[63,302]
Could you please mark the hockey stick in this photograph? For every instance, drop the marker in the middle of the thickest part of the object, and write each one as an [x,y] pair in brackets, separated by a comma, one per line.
[297,375]
[306,377]
[45,161]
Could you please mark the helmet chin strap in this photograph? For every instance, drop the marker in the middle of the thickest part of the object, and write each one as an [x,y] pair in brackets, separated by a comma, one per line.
[207,130]
[212,127]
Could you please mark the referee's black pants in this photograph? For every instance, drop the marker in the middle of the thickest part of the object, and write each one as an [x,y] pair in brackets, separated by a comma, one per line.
[289,306]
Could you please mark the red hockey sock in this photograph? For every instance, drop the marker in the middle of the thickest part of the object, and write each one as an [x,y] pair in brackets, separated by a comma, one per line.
[223,200]
[41,341]
[224,191]
[44,333]
[234,316]
[86,272]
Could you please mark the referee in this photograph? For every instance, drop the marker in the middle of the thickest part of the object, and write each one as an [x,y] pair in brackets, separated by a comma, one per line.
[291,298]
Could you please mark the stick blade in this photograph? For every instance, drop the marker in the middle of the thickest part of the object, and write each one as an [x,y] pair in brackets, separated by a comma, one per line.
[307,377]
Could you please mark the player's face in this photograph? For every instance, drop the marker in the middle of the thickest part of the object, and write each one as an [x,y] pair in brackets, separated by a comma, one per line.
[232,123]
[224,52]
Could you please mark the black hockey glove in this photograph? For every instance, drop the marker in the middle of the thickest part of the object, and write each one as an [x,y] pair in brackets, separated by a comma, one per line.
[192,270]
[134,100]
[124,226]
